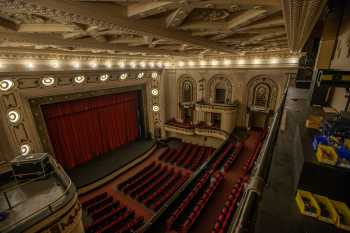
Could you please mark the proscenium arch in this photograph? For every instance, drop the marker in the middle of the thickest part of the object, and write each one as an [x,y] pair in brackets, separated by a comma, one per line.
[213,82]
[271,84]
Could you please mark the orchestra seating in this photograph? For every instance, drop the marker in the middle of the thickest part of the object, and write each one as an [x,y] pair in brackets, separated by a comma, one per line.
[227,212]
[189,156]
[190,208]
[224,155]
[155,186]
[109,215]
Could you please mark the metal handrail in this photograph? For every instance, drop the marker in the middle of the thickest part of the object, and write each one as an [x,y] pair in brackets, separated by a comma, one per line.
[256,183]
[51,206]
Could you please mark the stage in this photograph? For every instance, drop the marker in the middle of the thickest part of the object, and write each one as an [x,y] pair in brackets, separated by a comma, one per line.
[103,166]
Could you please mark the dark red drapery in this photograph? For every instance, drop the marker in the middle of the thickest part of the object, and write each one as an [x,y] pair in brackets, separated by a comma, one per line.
[82,129]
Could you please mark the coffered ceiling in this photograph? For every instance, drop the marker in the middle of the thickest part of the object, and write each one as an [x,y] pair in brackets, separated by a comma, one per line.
[145,27]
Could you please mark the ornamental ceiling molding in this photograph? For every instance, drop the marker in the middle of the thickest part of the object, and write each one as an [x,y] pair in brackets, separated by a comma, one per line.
[300,17]
[66,12]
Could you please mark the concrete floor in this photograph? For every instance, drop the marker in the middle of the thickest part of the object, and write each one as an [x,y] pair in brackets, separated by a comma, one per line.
[30,198]
[277,211]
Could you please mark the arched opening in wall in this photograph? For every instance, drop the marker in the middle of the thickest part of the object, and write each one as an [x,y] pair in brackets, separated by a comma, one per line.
[262,94]
[187,91]
[220,93]
[187,99]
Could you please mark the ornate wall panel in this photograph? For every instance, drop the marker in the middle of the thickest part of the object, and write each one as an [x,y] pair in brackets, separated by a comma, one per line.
[216,79]
[253,83]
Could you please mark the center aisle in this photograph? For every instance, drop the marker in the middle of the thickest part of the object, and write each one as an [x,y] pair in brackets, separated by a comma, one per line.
[207,219]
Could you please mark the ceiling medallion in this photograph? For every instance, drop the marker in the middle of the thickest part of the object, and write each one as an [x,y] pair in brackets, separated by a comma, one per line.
[140,75]
[6,85]
[123,76]
[155,108]
[13,116]
[155,92]
[48,81]
[79,79]
[25,149]
[104,77]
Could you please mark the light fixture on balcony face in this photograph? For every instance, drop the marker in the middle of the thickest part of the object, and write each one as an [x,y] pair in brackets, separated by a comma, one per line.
[140,75]
[108,64]
[123,76]
[48,81]
[76,64]
[155,92]
[6,84]
[191,63]
[25,149]
[79,79]
[55,64]
[274,60]
[143,64]
[155,108]
[13,116]
[154,75]
[202,63]
[132,64]
[227,62]
[121,64]
[214,62]
[93,64]
[241,62]
[160,64]
[180,63]
[104,77]
[29,65]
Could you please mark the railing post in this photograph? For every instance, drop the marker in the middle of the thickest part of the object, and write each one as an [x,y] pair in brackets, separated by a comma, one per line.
[7,200]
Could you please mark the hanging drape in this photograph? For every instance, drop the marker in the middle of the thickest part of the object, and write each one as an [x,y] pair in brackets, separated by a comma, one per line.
[82,129]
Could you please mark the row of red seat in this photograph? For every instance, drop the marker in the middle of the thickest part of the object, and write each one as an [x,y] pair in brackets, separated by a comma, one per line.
[109,215]
[186,202]
[94,200]
[223,155]
[135,180]
[249,164]
[137,176]
[227,212]
[232,157]
[167,192]
[153,190]
[189,156]
[199,205]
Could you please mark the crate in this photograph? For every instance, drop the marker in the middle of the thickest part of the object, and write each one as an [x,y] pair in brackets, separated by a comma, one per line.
[319,139]
[307,204]
[343,220]
[326,154]
[347,143]
[326,206]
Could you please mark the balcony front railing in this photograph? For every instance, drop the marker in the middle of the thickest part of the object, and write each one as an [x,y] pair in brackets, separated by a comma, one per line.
[50,208]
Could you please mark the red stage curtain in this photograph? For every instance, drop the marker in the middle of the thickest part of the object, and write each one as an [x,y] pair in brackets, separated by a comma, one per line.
[80,130]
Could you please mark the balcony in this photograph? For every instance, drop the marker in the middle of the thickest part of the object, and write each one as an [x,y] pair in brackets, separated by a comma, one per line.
[216,133]
[178,127]
[199,129]
[214,107]
[30,202]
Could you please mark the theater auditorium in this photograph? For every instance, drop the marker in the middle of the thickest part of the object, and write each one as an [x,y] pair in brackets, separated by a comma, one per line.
[191,116]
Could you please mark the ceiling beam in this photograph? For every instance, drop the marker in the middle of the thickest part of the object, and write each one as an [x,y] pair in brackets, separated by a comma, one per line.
[176,18]
[144,9]
[46,28]
[54,40]
[109,15]
[8,25]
